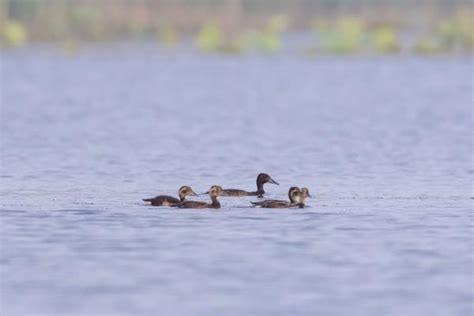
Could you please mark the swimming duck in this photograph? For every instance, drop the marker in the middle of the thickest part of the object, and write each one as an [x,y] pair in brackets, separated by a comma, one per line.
[166,200]
[214,192]
[304,193]
[262,178]
[293,195]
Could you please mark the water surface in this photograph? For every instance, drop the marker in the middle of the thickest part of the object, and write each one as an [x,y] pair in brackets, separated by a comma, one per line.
[383,144]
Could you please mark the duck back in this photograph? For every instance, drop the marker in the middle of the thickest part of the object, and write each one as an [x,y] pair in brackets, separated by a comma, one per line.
[234,192]
[162,200]
[272,204]
[197,204]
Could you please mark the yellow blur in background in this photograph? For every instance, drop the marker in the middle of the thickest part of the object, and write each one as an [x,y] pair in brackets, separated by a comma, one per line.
[239,26]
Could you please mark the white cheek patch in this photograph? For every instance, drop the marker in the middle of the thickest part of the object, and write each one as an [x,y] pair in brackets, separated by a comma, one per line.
[296,198]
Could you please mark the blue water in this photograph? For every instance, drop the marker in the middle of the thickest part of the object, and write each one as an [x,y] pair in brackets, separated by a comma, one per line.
[384,145]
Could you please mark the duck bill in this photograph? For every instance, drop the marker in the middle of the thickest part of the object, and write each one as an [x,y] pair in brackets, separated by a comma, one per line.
[273,181]
[204,193]
[309,195]
[193,193]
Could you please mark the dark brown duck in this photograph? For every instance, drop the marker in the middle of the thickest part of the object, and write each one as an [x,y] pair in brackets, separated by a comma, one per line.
[293,196]
[262,178]
[166,200]
[214,192]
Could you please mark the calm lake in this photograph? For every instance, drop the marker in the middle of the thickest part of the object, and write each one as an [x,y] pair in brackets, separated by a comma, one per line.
[383,143]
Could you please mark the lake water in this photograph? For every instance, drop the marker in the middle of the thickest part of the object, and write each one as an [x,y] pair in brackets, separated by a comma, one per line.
[384,145]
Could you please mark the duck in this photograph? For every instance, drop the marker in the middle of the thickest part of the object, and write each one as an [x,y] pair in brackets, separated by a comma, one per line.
[166,200]
[262,178]
[293,195]
[304,193]
[214,192]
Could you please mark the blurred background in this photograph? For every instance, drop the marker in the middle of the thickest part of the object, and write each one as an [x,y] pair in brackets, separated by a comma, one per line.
[309,27]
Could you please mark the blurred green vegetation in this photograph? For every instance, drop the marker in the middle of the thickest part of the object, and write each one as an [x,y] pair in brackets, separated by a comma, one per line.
[167,36]
[344,36]
[13,33]
[456,32]
[268,40]
[385,40]
[209,37]
[237,26]
[428,45]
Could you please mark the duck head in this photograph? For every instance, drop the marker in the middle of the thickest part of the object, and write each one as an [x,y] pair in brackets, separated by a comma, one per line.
[305,193]
[263,178]
[294,194]
[185,191]
[215,191]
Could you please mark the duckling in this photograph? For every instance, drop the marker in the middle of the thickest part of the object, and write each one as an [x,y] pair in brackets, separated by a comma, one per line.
[262,178]
[214,192]
[293,195]
[166,200]
[304,193]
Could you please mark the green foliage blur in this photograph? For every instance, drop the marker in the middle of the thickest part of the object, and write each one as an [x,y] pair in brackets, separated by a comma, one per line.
[345,36]
[385,40]
[236,26]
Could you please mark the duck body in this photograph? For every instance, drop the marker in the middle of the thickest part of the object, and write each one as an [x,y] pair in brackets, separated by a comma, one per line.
[262,178]
[166,200]
[275,204]
[163,200]
[293,195]
[237,192]
[214,192]
[198,204]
